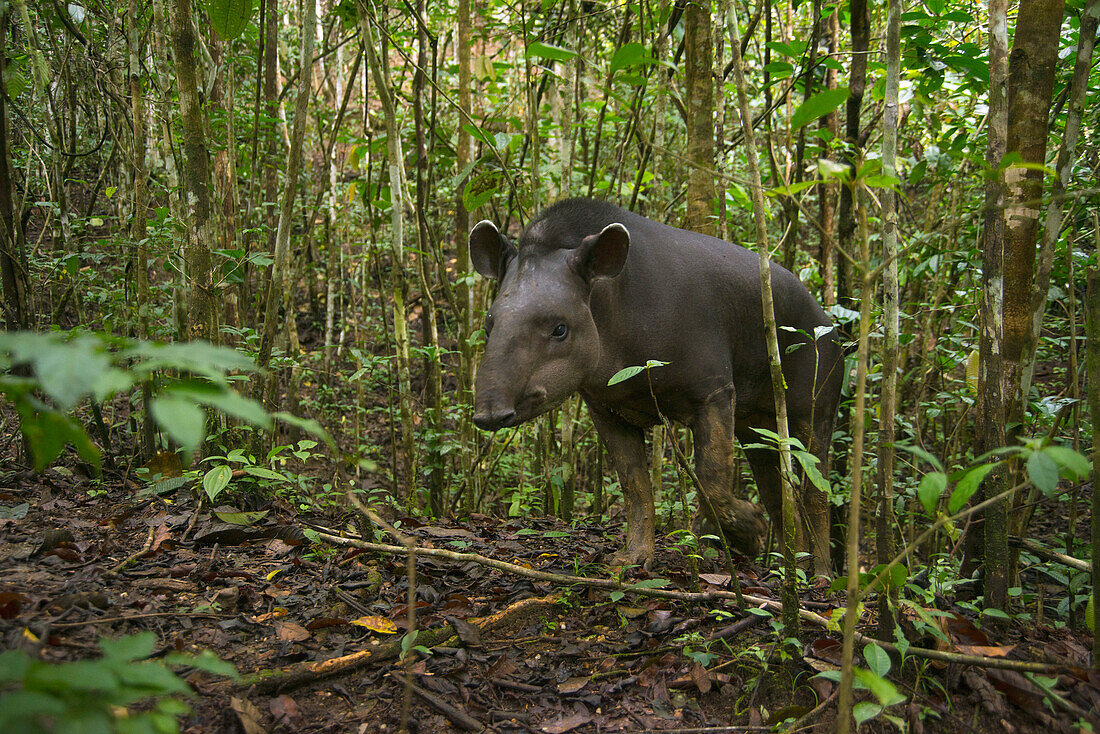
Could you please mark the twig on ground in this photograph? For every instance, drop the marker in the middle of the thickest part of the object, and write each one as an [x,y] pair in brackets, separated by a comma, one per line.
[689,596]
[457,717]
[283,679]
[130,561]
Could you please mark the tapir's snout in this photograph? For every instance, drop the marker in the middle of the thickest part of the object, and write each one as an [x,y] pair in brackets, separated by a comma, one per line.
[490,420]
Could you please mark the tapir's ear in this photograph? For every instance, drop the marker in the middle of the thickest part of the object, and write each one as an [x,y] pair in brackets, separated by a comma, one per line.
[603,255]
[489,250]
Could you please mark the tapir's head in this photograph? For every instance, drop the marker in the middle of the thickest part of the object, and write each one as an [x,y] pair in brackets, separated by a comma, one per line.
[541,339]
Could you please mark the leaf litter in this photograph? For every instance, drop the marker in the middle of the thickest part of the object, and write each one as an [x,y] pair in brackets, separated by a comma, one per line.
[265,598]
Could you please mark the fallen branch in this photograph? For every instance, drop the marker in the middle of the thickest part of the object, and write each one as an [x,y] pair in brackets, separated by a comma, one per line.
[697,597]
[283,679]
[1051,555]
[130,561]
[459,718]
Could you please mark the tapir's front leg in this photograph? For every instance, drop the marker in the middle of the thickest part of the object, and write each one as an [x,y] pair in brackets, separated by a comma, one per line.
[741,521]
[626,446]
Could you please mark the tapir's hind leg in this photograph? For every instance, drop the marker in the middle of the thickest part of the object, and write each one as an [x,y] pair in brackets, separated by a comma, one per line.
[740,521]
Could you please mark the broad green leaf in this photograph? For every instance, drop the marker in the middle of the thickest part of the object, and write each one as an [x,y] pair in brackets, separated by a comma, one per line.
[229,18]
[306,424]
[1042,471]
[877,659]
[865,711]
[649,584]
[241,518]
[263,473]
[224,399]
[131,647]
[629,54]
[549,51]
[48,432]
[967,486]
[792,189]
[13,665]
[831,169]
[881,181]
[216,480]
[1072,465]
[817,106]
[625,374]
[181,419]
[930,489]
[885,691]
[921,453]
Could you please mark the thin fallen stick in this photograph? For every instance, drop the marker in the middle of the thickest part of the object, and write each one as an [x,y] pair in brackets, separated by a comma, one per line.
[457,717]
[694,596]
[130,561]
[283,679]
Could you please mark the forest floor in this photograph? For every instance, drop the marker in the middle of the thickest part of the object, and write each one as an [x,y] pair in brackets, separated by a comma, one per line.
[558,659]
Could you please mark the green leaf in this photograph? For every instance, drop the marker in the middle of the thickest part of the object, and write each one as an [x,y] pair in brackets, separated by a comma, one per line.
[241,518]
[865,711]
[792,189]
[549,51]
[625,374]
[920,453]
[216,480]
[1042,471]
[222,398]
[1072,465]
[877,659]
[817,106]
[649,584]
[229,18]
[930,489]
[306,424]
[629,54]
[49,431]
[881,181]
[967,486]
[885,691]
[181,419]
[131,647]
[13,665]
[206,660]
[263,473]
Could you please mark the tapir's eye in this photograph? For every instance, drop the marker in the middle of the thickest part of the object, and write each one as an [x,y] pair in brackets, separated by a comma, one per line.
[560,331]
[488,324]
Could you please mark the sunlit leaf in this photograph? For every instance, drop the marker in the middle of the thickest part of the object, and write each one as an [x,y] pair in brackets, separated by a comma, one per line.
[967,486]
[549,51]
[229,18]
[930,490]
[817,106]
[215,480]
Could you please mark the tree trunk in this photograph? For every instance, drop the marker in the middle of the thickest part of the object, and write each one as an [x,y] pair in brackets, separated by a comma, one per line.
[379,68]
[991,383]
[789,530]
[846,225]
[699,118]
[1092,361]
[1067,156]
[13,273]
[279,272]
[884,533]
[199,216]
[463,266]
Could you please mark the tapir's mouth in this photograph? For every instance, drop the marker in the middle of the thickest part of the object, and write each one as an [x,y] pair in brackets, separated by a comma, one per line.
[531,405]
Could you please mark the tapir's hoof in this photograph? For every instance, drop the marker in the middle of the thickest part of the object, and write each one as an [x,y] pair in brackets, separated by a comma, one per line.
[744,524]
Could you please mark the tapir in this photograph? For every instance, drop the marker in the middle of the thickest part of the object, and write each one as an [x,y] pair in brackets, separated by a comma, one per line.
[590,288]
